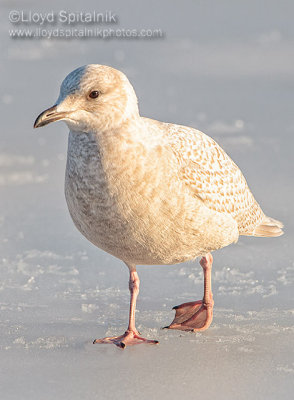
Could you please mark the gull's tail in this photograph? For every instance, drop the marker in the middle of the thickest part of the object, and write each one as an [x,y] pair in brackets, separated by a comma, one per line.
[269,228]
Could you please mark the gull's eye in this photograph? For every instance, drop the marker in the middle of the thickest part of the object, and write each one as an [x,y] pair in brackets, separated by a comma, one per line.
[94,94]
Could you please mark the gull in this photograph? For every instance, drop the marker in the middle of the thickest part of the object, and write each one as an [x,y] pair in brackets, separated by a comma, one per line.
[149,192]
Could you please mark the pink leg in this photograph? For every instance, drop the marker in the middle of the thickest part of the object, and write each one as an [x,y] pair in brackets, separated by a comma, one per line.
[197,315]
[131,336]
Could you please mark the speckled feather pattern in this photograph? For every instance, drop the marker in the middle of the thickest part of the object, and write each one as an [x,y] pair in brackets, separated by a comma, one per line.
[212,176]
[145,191]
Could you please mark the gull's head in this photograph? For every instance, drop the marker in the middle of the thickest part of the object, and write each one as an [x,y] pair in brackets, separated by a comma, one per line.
[93,98]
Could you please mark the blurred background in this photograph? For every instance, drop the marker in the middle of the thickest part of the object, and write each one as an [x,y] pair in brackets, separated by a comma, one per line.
[225,68]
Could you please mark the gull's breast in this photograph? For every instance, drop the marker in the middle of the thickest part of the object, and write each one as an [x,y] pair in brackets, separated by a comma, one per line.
[101,214]
[91,207]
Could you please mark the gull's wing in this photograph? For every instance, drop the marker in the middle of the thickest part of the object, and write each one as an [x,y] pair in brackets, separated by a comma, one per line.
[212,176]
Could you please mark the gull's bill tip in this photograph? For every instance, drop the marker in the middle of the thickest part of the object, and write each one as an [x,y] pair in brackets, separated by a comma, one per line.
[49,115]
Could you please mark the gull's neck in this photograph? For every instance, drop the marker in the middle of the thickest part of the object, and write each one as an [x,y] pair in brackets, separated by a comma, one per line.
[132,131]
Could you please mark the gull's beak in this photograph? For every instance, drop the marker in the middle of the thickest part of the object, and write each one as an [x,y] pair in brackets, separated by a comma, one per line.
[49,115]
